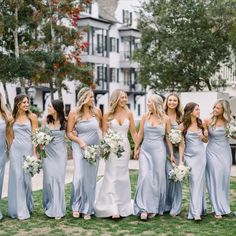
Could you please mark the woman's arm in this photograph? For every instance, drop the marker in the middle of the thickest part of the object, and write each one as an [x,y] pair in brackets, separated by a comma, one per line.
[34,122]
[9,132]
[204,136]
[70,129]
[105,124]
[132,128]
[139,136]
[34,126]
[99,116]
[181,146]
[169,144]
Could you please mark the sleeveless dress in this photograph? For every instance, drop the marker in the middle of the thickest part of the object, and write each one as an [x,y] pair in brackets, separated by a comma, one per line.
[113,194]
[20,196]
[54,171]
[195,157]
[3,156]
[85,174]
[151,187]
[173,189]
[219,161]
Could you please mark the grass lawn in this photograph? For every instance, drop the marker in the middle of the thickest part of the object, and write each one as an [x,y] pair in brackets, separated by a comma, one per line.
[39,224]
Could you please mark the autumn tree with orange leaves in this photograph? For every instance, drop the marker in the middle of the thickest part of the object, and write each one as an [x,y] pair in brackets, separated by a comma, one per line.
[60,43]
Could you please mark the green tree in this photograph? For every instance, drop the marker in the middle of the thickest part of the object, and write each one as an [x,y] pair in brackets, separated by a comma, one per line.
[16,39]
[184,43]
[60,43]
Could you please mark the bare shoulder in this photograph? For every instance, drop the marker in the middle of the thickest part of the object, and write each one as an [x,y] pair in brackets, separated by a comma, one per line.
[33,117]
[144,116]
[207,121]
[98,112]
[130,114]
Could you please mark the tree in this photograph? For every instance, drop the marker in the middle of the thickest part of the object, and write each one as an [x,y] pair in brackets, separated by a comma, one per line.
[184,43]
[16,38]
[60,43]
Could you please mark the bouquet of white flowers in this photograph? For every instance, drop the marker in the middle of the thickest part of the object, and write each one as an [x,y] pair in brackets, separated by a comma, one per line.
[32,166]
[111,143]
[231,129]
[41,138]
[90,154]
[179,173]
[175,136]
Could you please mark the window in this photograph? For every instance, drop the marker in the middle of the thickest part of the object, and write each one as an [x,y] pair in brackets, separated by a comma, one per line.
[114,44]
[99,43]
[139,110]
[114,75]
[127,17]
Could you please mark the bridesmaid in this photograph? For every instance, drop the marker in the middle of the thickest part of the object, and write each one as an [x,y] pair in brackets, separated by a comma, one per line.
[219,159]
[85,119]
[174,111]
[113,195]
[151,187]
[23,124]
[4,118]
[54,165]
[195,156]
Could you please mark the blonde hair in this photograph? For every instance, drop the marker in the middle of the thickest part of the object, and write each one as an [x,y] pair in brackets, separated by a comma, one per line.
[3,108]
[178,109]
[157,102]
[82,98]
[113,103]
[226,112]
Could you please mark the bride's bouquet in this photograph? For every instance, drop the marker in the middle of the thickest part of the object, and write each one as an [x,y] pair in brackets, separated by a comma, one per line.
[31,166]
[91,153]
[231,129]
[179,172]
[41,138]
[112,142]
[175,136]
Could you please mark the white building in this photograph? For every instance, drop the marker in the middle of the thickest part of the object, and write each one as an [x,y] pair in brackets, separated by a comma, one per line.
[113,36]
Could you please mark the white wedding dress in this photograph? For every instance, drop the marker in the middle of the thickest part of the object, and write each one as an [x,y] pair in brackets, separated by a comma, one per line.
[113,191]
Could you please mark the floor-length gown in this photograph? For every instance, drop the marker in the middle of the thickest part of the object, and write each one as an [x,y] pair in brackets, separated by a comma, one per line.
[20,196]
[219,161]
[3,156]
[54,171]
[173,189]
[113,194]
[195,157]
[151,187]
[85,174]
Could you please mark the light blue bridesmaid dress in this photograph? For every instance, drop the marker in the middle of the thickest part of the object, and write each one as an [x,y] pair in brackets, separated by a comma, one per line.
[3,156]
[54,171]
[219,161]
[20,196]
[195,157]
[173,189]
[85,174]
[151,187]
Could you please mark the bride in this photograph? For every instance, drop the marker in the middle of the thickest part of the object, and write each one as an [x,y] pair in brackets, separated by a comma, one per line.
[113,194]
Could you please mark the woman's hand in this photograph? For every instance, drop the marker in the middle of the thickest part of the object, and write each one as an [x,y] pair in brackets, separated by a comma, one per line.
[136,153]
[172,159]
[82,144]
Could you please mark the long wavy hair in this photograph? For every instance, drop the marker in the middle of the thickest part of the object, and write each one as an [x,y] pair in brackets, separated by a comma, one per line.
[188,109]
[227,114]
[17,101]
[83,97]
[3,109]
[59,108]
[178,109]
[157,103]
[113,103]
